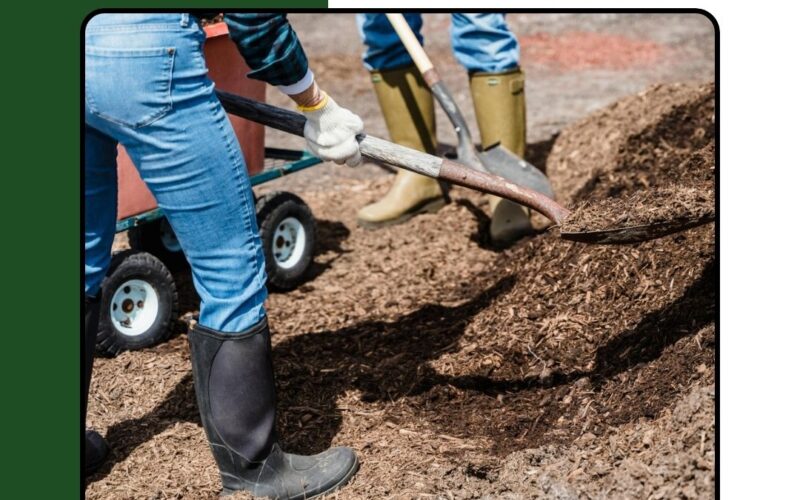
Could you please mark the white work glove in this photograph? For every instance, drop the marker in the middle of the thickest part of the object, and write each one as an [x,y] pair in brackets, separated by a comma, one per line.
[331,131]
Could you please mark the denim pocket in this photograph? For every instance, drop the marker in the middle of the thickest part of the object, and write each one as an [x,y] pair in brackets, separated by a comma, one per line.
[130,87]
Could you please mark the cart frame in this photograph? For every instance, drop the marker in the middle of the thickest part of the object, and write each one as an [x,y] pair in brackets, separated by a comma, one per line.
[296,160]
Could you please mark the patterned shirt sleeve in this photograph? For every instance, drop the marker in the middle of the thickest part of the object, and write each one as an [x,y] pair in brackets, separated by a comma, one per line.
[270,47]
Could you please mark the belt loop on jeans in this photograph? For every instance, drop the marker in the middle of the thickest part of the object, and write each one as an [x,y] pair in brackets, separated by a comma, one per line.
[184,19]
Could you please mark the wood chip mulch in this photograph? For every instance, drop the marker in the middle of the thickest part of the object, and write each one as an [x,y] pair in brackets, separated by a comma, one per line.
[460,371]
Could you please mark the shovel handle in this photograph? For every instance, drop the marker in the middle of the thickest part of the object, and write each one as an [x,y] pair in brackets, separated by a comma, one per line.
[466,149]
[412,45]
[400,156]
[265,114]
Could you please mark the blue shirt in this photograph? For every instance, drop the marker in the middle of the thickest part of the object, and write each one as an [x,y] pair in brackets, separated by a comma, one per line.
[270,47]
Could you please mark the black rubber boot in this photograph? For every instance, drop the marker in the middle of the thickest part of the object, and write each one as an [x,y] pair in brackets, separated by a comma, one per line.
[95,448]
[235,390]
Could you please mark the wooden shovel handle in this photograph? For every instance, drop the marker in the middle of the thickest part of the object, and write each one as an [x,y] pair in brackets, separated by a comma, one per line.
[400,156]
[414,48]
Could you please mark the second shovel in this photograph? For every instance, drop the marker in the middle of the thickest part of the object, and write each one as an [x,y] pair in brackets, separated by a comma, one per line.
[497,159]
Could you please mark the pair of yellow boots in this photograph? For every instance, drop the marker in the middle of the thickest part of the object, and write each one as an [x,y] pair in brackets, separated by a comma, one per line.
[407,106]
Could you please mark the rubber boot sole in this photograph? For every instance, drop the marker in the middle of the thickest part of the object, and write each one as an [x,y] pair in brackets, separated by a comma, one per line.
[336,487]
[427,206]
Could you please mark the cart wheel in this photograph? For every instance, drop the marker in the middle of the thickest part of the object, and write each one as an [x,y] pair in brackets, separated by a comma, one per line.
[139,304]
[288,233]
[159,239]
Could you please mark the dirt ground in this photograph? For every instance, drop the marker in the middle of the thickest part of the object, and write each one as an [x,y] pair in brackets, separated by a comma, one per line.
[547,370]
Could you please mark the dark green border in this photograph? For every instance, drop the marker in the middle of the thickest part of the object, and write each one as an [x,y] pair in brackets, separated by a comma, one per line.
[41,249]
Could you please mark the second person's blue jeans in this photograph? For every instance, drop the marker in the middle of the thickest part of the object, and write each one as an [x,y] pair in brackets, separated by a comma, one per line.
[482,42]
[146,87]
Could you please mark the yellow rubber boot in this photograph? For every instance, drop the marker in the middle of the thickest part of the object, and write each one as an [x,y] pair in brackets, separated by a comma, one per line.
[407,106]
[499,100]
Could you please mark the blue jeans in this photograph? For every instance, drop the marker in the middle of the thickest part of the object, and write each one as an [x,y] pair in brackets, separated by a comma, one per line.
[481,42]
[146,87]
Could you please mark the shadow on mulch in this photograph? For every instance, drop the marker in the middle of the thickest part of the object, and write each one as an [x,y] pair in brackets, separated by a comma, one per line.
[481,236]
[382,360]
[536,153]
[364,355]
[178,406]
[330,235]
[641,344]
[482,221]
[386,361]
[637,374]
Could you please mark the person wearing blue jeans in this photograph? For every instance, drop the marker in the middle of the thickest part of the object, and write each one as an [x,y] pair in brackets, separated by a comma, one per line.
[147,88]
[485,46]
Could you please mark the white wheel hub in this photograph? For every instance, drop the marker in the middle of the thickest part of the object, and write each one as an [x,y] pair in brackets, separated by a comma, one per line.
[134,307]
[288,242]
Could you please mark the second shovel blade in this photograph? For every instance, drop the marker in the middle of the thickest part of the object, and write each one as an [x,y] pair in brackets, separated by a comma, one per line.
[634,234]
[500,161]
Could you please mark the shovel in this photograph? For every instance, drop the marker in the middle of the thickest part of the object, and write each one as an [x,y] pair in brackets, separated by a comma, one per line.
[495,159]
[447,170]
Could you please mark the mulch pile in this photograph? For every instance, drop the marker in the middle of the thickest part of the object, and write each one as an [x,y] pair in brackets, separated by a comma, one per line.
[672,205]
[550,369]
[664,135]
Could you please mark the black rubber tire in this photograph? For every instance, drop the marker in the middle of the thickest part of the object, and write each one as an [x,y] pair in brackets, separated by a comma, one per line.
[148,238]
[128,265]
[271,210]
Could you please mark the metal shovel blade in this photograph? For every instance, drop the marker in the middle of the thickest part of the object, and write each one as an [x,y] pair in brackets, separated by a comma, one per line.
[635,234]
[500,161]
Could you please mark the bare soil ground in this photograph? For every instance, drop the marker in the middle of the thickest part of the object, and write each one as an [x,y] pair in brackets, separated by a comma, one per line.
[548,370]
